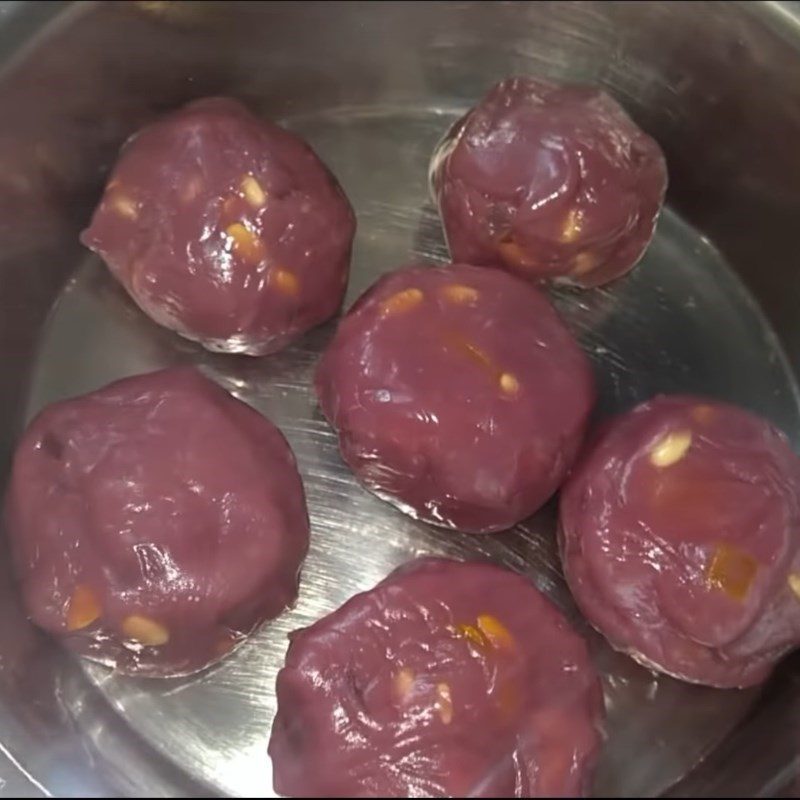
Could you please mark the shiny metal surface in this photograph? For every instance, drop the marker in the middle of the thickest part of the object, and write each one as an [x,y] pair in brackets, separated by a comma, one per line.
[372,86]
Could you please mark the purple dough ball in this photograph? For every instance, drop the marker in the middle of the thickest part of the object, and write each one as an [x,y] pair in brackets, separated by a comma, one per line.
[680,538]
[549,182]
[155,523]
[447,679]
[225,228]
[457,394]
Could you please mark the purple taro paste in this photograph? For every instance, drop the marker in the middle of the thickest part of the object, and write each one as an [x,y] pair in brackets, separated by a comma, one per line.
[155,523]
[225,228]
[447,679]
[550,182]
[457,394]
[680,535]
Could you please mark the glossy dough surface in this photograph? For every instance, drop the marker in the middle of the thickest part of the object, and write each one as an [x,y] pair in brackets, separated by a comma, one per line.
[549,181]
[225,228]
[446,679]
[457,394]
[156,522]
[679,533]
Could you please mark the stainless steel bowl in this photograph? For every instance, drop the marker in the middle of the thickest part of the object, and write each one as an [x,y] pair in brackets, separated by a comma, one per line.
[712,308]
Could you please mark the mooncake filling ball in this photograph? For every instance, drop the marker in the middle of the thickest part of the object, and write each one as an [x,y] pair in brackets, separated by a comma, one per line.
[225,228]
[679,534]
[549,181]
[447,679]
[457,394]
[155,523]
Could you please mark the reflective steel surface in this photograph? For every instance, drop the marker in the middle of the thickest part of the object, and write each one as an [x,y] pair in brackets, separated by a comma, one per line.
[711,309]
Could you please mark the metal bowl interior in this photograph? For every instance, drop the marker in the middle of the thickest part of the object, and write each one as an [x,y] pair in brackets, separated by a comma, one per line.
[372,86]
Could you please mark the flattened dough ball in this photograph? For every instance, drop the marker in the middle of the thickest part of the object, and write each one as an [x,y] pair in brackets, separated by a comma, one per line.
[549,181]
[447,679]
[457,394]
[155,523]
[225,228]
[680,538]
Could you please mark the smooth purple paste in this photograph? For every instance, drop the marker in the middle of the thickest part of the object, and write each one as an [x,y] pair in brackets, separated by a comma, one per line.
[155,523]
[447,679]
[225,228]
[550,182]
[680,537]
[457,394]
